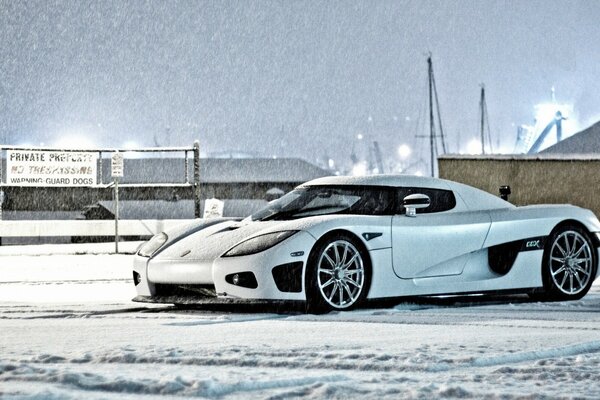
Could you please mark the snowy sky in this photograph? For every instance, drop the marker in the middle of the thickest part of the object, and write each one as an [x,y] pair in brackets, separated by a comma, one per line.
[291,78]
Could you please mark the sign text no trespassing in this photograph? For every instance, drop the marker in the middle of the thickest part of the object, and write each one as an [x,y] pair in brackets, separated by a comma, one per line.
[51,168]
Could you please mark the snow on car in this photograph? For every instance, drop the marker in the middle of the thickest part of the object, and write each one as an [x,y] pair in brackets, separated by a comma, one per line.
[334,242]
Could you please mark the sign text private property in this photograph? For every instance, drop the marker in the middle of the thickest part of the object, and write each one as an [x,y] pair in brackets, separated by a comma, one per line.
[51,168]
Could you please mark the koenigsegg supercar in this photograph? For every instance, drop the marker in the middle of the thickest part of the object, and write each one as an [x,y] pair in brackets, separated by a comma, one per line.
[334,242]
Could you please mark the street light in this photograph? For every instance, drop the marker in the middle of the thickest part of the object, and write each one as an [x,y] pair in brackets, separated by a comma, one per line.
[404,151]
[474,147]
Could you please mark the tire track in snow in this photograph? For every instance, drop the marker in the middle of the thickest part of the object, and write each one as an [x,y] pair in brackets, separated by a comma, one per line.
[207,387]
[514,358]
[311,360]
[228,320]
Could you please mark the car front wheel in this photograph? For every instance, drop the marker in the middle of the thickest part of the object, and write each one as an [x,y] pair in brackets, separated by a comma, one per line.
[338,275]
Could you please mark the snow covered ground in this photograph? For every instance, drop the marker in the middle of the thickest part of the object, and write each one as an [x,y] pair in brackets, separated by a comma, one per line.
[68,330]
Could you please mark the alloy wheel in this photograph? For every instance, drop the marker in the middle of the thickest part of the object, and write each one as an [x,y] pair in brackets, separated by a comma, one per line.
[571,262]
[340,274]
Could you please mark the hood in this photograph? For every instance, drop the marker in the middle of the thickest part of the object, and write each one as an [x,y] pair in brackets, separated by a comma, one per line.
[208,242]
[212,241]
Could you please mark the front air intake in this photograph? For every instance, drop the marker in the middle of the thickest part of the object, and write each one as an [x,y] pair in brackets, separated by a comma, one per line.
[288,277]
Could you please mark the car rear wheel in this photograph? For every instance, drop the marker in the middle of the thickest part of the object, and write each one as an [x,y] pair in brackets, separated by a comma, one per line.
[569,264]
[338,275]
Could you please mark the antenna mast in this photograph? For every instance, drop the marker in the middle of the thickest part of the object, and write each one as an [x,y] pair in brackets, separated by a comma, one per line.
[432,133]
[484,122]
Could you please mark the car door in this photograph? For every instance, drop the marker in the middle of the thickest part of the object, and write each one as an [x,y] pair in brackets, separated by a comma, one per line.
[439,240]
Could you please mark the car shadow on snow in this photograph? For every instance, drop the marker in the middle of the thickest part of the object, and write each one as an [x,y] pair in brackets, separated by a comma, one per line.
[298,307]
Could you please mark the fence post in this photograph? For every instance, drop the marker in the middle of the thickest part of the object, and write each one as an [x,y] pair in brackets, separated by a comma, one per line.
[196,179]
[117,238]
[1,184]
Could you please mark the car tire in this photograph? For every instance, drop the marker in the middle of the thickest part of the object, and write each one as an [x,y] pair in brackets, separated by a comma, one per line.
[338,274]
[569,264]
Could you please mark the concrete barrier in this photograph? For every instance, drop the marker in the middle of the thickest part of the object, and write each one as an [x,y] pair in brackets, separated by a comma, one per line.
[534,179]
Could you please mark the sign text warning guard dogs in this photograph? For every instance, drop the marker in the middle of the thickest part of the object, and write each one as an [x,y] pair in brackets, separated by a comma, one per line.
[51,168]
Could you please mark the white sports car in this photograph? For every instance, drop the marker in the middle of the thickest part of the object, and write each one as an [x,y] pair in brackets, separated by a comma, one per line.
[334,242]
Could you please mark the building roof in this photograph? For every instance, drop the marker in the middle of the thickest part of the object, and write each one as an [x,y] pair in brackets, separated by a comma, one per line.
[585,142]
[217,170]
[180,209]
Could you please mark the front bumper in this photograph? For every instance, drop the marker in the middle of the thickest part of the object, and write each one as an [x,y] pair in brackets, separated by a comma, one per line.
[156,273]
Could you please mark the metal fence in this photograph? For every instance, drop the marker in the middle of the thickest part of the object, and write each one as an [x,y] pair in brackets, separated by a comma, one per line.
[103,182]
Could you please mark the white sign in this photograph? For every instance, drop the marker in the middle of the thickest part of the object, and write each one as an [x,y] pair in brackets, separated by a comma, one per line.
[51,168]
[213,208]
[116,165]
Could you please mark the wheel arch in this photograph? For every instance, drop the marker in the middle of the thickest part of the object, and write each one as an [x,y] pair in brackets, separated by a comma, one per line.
[579,224]
[362,248]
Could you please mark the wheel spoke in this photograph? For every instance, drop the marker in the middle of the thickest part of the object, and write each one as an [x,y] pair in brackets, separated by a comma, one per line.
[578,252]
[580,260]
[568,246]
[325,271]
[329,260]
[347,289]
[571,280]
[560,260]
[329,282]
[333,292]
[562,284]
[352,259]
[578,279]
[558,271]
[337,255]
[341,289]
[343,260]
[352,281]
[563,252]
[582,270]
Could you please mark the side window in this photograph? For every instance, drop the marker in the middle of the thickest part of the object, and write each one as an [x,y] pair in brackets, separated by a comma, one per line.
[441,200]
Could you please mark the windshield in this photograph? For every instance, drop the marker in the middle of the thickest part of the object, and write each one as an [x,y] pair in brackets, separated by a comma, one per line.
[324,200]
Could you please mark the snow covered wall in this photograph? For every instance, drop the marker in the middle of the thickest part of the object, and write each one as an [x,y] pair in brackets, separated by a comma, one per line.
[534,179]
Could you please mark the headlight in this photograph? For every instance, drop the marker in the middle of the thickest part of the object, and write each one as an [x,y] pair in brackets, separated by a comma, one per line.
[258,244]
[152,245]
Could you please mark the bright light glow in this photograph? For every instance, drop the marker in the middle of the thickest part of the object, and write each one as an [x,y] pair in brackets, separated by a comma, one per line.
[545,113]
[474,147]
[359,136]
[359,169]
[331,164]
[419,173]
[74,142]
[131,144]
[404,151]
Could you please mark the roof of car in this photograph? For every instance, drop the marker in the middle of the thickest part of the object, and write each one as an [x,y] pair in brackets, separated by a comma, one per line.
[382,180]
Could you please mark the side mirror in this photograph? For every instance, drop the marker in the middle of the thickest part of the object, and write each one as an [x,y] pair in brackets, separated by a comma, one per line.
[415,201]
[504,192]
